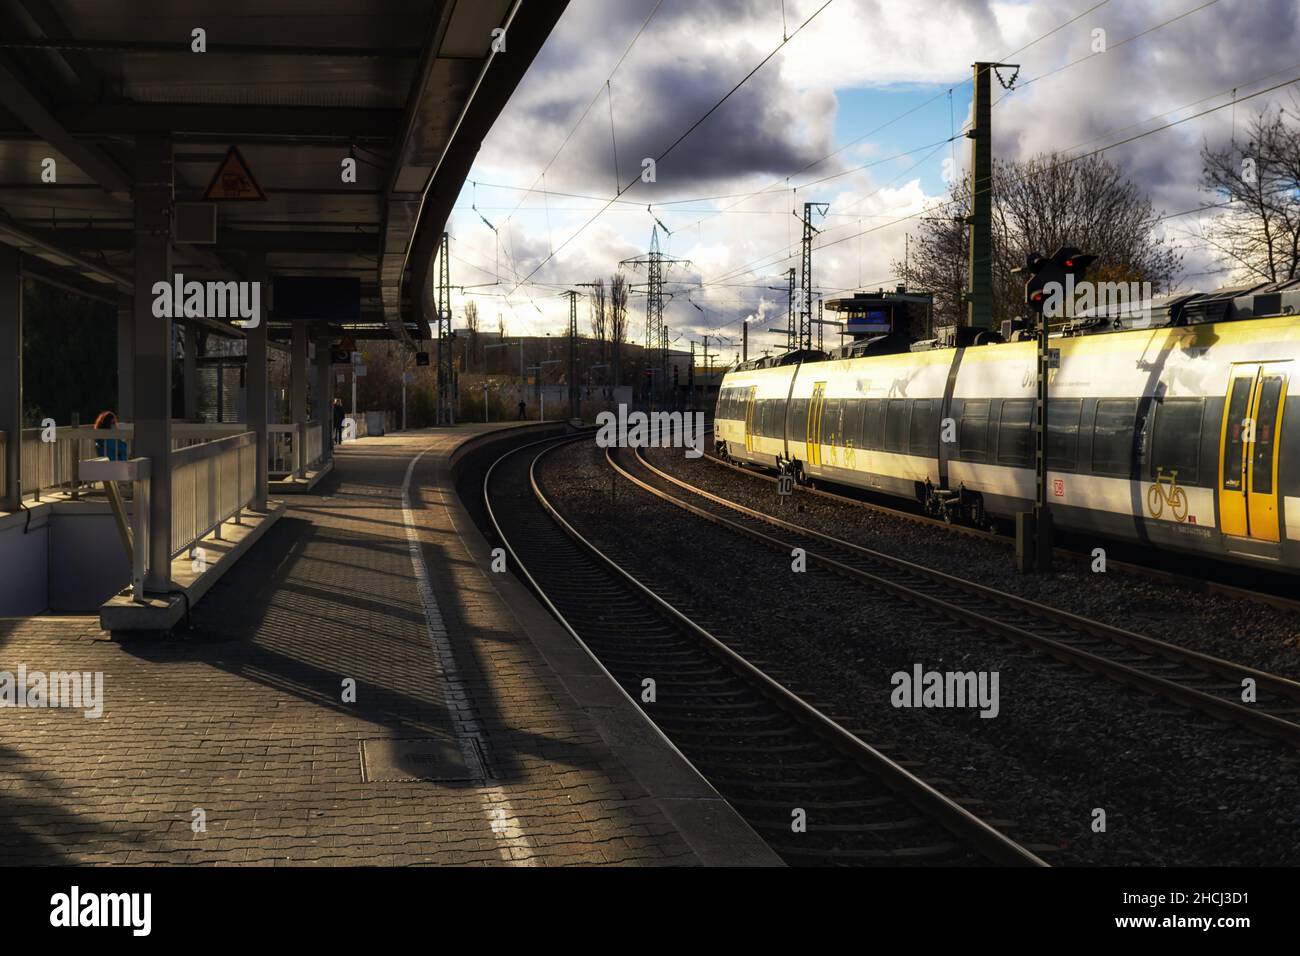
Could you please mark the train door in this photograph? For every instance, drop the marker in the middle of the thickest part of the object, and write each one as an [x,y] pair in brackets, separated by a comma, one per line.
[1252,420]
[813,433]
[749,417]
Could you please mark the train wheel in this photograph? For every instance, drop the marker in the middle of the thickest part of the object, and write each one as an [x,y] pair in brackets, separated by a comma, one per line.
[1178,504]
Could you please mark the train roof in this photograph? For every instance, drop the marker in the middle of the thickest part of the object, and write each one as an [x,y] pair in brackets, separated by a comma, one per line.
[1227,304]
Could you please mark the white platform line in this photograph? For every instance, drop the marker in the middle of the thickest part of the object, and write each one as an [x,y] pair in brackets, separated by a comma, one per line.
[512,842]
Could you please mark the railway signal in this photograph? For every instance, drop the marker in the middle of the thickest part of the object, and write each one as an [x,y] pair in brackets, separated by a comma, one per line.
[1056,276]
[1036,272]
[1047,281]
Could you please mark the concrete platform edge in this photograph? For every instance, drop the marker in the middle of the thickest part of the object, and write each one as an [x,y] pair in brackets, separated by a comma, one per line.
[121,613]
[717,834]
[289,486]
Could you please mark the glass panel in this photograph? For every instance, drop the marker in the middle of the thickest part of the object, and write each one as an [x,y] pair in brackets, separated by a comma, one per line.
[1015,434]
[923,431]
[896,425]
[1238,403]
[973,436]
[1063,433]
[1176,445]
[1112,436]
[873,423]
[1261,467]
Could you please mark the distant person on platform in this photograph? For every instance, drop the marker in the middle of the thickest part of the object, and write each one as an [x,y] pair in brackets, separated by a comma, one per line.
[522,410]
[338,421]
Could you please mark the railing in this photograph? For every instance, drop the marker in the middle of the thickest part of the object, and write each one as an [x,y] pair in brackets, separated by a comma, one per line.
[211,482]
[283,446]
[313,441]
[48,466]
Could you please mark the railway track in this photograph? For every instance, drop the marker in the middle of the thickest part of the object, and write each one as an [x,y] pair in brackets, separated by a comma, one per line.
[1190,582]
[768,752]
[1208,684]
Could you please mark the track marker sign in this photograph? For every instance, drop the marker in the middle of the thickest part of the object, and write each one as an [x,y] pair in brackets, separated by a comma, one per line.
[233,181]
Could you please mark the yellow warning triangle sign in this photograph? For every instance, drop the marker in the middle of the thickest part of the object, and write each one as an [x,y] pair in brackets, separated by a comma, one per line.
[234,181]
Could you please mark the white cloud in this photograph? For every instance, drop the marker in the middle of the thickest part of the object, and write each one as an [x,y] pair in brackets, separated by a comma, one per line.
[784,117]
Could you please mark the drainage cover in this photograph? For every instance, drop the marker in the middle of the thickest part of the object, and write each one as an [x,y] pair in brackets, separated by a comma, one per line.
[420,758]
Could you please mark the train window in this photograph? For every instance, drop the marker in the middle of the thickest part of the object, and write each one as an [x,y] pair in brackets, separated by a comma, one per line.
[1176,442]
[896,424]
[1063,433]
[973,436]
[873,423]
[775,425]
[923,432]
[798,418]
[1112,436]
[852,422]
[831,421]
[1261,467]
[1015,434]
[1238,404]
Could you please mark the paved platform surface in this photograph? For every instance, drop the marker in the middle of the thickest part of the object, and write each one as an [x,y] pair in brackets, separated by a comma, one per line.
[241,722]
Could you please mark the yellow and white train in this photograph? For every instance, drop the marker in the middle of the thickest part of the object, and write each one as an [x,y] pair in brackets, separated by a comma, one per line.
[1175,436]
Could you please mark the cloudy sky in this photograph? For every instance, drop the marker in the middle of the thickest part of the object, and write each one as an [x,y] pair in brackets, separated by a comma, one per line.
[855,110]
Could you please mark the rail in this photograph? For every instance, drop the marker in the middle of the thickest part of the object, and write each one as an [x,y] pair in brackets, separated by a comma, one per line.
[539,539]
[211,483]
[1066,636]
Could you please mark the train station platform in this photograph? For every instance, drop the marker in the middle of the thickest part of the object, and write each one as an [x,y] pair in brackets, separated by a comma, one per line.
[359,689]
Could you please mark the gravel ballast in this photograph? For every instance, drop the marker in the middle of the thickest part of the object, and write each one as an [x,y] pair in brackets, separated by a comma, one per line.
[1176,788]
[1236,629]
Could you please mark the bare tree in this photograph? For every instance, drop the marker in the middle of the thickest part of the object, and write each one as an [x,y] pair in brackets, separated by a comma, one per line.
[598,302]
[618,320]
[1260,232]
[1039,205]
[501,326]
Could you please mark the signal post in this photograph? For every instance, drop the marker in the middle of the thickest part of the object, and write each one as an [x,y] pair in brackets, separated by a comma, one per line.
[1043,277]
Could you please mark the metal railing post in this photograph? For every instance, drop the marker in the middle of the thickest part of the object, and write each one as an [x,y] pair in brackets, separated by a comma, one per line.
[139,538]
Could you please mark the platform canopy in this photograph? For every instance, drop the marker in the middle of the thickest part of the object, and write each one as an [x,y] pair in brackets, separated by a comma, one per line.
[405,88]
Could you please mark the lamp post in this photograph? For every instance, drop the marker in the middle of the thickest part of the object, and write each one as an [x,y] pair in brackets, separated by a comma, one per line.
[541,395]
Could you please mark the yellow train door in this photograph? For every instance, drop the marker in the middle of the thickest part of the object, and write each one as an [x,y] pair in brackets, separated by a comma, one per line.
[749,417]
[813,431]
[1252,420]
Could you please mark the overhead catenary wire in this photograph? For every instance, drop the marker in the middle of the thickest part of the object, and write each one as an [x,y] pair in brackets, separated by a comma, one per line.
[691,129]
[776,257]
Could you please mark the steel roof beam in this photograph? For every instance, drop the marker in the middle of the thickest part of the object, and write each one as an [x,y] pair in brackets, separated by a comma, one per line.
[38,19]
[19,99]
[268,240]
[340,123]
[154,47]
